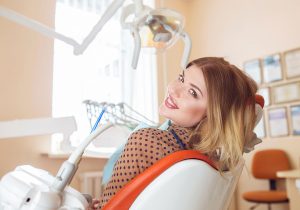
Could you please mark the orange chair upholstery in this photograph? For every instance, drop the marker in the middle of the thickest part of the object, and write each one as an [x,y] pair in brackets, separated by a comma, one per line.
[265,164]
[260,100]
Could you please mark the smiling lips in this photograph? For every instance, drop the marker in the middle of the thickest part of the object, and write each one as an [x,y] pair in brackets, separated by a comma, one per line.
[169,102]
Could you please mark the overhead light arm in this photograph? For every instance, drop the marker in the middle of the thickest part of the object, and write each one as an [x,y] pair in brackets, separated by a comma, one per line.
[112,9]
[141,14]
[39,27]
[187,49]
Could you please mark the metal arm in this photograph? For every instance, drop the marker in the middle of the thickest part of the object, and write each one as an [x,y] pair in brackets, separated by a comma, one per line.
[112,9]
[25,21]
[39,27]
[187,49]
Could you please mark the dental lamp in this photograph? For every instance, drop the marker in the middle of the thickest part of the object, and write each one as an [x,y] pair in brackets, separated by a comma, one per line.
[158,28]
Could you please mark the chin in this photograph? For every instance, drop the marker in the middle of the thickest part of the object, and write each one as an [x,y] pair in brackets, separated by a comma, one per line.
[167,116]
[162,112]
[161,109]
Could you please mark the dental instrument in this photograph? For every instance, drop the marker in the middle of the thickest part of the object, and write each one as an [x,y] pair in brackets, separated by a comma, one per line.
[158,28]
[98,119]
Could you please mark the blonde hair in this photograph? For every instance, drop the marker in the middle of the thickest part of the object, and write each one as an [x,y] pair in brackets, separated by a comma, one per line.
[230,117]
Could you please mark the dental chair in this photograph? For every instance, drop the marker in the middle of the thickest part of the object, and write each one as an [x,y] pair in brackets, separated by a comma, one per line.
[184,180]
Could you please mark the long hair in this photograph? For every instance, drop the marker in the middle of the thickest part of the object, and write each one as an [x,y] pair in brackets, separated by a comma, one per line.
[230,117]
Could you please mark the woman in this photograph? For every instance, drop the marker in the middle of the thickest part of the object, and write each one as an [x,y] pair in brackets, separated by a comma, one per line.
[211,108]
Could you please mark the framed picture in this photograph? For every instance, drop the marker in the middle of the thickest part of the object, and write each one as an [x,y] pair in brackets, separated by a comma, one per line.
[286,93]
[292,63]
[265,92]
[272,70]
[253,69]
[295,118]
[260,129]
[278,123]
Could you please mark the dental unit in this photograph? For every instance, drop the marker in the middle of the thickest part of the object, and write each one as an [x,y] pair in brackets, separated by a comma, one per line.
[30,188]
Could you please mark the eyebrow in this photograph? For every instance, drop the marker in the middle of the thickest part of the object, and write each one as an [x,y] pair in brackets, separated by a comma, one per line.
[194,86]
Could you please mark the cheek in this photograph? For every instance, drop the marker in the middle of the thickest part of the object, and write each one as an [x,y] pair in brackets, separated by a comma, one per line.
[193,114]
[197,113]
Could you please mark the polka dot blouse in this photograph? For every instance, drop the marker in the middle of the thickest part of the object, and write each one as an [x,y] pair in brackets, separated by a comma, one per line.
[143,149]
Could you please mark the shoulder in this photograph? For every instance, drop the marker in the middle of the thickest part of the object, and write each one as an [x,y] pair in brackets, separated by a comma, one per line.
[147,135]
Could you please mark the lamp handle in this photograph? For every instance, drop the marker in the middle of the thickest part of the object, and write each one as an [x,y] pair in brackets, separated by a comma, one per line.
[187,49]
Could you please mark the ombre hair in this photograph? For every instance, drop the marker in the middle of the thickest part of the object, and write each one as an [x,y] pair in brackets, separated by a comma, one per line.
[230,117]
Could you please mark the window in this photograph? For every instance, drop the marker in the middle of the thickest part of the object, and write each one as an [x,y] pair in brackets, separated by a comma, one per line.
[103,72]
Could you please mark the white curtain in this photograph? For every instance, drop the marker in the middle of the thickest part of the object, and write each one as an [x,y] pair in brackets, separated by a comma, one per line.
[103,72]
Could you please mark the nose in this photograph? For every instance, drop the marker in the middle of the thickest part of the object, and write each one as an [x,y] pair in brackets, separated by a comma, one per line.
[175,89]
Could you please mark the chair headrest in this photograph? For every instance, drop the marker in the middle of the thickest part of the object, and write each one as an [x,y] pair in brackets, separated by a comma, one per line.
[260,102]
[250,143]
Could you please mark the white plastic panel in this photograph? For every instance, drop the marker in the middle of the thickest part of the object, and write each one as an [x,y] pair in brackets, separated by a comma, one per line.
[190,184]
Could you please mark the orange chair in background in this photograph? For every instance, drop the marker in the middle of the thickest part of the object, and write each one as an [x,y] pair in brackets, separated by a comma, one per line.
[265,164]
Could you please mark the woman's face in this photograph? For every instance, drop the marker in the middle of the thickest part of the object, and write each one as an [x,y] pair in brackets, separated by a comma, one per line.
[186,100]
